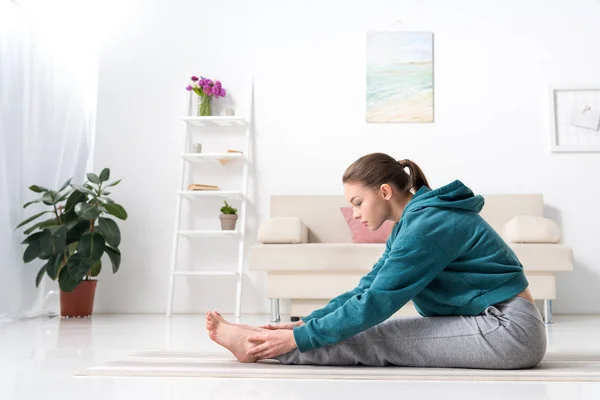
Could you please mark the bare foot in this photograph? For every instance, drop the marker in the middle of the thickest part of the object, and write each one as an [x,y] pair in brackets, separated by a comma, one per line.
[233,338]
[248,327]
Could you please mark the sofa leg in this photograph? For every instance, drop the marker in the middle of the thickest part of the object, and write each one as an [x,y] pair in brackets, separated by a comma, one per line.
[548,311]
[275,317]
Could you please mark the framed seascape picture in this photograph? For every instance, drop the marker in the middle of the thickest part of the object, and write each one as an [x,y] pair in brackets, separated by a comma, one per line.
[400,77]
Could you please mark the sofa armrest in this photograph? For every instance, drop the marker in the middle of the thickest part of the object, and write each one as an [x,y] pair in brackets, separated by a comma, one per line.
[283,230]
[531,229]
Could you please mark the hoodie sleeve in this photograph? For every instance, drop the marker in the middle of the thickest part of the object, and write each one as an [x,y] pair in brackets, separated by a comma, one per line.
[364,283]
[412,263]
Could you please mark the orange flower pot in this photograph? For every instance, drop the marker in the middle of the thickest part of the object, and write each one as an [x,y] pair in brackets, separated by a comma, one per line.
[80,301]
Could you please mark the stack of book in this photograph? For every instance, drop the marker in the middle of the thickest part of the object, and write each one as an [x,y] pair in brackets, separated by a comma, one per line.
[198,186]
[225,161]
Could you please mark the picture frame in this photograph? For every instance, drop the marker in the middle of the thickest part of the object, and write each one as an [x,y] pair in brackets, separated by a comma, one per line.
[575,118]
[400,77]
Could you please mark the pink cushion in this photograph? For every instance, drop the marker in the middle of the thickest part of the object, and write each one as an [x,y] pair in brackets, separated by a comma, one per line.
[361,234]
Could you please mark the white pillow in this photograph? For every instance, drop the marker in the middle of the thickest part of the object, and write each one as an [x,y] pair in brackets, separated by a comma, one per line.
[531,229]
[283,230]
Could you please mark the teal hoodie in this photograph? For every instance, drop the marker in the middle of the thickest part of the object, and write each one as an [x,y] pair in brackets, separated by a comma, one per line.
[442,255]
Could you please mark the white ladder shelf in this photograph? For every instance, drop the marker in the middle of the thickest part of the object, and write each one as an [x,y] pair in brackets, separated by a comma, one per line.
[212,123]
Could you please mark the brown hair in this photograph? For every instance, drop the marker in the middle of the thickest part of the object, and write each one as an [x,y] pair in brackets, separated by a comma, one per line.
[375,169]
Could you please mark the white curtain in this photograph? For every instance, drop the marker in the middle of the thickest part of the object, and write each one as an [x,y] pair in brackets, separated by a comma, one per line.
[48,87]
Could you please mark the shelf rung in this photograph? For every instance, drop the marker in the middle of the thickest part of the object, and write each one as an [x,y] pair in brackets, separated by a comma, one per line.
[207,273]
[210,193]
[213,157]
[209,233]
[216,121]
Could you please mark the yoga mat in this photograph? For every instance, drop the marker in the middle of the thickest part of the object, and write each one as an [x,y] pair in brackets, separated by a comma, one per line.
[563,367]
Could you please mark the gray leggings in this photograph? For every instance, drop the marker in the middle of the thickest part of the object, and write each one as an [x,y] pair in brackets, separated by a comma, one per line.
[509,335]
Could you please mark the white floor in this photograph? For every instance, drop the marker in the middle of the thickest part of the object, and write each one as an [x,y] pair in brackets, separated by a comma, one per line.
[38,357]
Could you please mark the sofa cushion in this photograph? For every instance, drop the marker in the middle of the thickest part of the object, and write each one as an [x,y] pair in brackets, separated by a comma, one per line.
[283,230]
[544,256]
[531,229]
[362,257]
[361,234]
[316,256]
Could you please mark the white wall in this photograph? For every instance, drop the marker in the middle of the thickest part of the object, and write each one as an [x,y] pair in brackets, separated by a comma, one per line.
[494,62]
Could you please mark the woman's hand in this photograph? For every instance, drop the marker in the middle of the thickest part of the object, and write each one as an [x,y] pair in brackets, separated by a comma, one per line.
[273,344]
[287,325]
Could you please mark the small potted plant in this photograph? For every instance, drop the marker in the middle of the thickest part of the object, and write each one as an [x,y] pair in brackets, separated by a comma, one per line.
[206,89]
[72,242]
[228,217]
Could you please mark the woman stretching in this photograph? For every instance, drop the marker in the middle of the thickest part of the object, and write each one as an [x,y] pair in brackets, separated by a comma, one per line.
[461,276]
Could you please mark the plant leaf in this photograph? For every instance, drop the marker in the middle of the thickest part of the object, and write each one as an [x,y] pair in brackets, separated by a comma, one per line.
[87,211]
[115,258]
[106,200]
[105,193]
[33,217]
[93,178]
[78,267]
[105,175]
[66,282]
[63,197]
[116,210]
[46,223]
[50,197]
[49,223]
[75,198]
[64,186]
[71,224]
[31,202]
[32,238]
[55,197]
[71,248]
[37,189]
[115,183]
[95,270]
[91,246]
[53,265]
[45,243]
[54,243]
[32,251]
[82,189]
[58,240]
[40,275]
[110,230]
[74,234]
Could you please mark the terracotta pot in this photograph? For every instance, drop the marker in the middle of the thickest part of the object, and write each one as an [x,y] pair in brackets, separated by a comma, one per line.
[228,221]
[80,301]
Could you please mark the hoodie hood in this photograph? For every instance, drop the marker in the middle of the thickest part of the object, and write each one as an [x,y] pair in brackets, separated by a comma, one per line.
[455,195]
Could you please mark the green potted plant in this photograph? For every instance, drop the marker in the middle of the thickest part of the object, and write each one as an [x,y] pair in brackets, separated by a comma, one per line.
[228,217]
[73,240]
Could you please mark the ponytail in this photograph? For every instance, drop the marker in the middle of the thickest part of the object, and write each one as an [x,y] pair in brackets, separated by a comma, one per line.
[417,177]
[375,169]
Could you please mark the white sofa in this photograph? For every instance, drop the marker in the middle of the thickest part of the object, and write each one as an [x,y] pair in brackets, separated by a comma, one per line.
[307,252]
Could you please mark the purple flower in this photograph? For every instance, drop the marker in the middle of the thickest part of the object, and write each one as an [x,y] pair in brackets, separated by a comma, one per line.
[206,86]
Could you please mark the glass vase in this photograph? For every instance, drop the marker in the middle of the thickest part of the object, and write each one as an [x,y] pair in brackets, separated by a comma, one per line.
[204,106]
